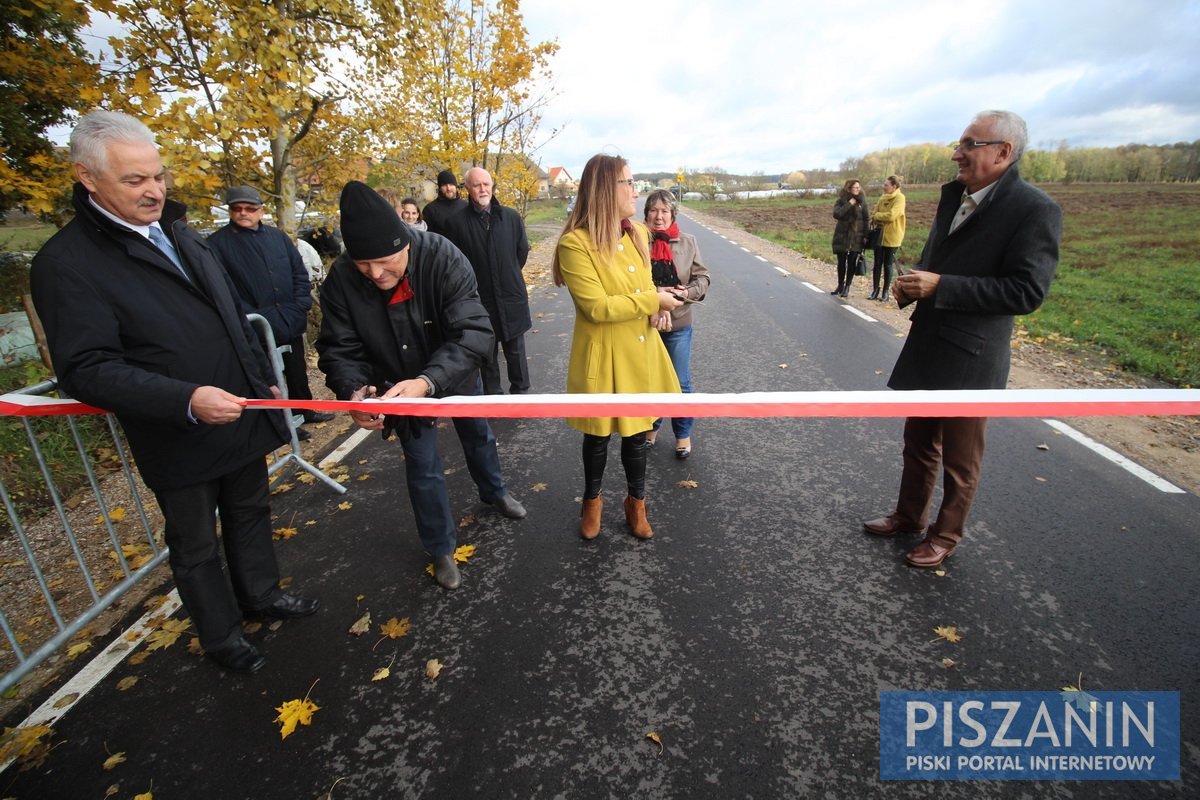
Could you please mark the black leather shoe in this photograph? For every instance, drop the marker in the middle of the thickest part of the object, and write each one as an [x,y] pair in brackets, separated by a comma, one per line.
[240,656]
[874,295]
[836,291]
[303,435]
[509,507]
[317,416]
[445,572]
[286,606]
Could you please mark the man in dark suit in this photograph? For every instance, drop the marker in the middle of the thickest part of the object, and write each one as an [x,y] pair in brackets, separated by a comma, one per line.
[142,320]
[445,205]
[493,239]
[991,254]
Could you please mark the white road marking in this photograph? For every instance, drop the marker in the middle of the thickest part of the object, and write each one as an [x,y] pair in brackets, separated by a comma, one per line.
[343,449]
[858,313]
[99,667]
[1112,455]
[745,249]
[760,258]
[783,271]
[814,287]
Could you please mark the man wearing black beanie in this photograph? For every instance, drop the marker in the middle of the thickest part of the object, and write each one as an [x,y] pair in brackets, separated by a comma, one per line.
[445,205]
[401,316]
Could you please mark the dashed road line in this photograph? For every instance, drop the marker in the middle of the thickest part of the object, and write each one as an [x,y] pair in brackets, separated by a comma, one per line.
[782,271]
[858,313]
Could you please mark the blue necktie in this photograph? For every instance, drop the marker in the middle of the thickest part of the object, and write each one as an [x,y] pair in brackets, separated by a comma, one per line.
[164,244]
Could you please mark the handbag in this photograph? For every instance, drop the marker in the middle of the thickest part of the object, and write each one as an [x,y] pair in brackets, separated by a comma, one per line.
[860,266]
[874,237]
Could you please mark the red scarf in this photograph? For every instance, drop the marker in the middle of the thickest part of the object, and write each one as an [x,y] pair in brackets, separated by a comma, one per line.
[660,248]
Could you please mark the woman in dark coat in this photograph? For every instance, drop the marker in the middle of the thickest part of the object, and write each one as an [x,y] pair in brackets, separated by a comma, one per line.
[853,220]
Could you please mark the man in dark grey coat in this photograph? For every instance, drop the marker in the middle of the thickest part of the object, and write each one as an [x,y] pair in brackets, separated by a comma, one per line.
[445,205]
[991,254]
[493,239]
[142,321]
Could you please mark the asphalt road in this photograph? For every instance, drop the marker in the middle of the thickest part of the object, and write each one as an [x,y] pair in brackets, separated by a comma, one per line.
[753,634]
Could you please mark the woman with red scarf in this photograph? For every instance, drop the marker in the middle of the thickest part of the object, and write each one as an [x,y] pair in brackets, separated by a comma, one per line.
[675,264]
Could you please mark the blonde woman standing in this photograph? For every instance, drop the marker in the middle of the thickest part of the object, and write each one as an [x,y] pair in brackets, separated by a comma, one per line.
[603,259]
[889,214]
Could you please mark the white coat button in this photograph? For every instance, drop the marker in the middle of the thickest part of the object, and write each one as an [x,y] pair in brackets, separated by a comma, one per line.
[631,268]
[637,291]
[403,347]
[620,247]
[641,338]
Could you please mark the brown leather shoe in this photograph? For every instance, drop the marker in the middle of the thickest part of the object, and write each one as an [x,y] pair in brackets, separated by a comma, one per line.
[928,554]
[589,517]
[635,515]
[887,526]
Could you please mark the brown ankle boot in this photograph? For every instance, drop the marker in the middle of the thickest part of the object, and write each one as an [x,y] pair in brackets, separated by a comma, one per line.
[589,517]
[635,515]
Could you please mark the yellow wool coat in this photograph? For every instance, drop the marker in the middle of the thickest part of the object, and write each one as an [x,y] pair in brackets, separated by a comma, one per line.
[889,212]
[614,348]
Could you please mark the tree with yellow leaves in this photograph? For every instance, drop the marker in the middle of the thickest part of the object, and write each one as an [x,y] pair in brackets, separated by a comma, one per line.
[238,86]
[468,98]
[45,76]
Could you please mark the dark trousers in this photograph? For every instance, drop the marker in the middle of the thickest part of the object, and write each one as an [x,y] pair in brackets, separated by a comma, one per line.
[885,260]
[953,445]
[240,496]
[295,371]
[518,367]
[427,480]
[846,264]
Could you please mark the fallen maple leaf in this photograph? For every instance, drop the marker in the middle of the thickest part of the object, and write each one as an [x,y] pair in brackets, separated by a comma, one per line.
[538,487]
[948,662]
[345,506]
[138,658]
[281,488]
[463,552]
[362,626]
[947,632]
[167,634]
[296,712]
[77,649]
[284,533]
[688,483]
[783,366]
[433,668]
[127,683]
[654,737]
[467,520]
[25,745]
[395,628]
[113,760]
[66,700]
[116,515]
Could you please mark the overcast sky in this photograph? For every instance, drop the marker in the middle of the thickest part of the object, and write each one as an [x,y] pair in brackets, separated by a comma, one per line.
[752,85]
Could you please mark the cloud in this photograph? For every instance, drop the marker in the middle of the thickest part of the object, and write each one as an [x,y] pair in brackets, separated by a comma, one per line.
[766,86]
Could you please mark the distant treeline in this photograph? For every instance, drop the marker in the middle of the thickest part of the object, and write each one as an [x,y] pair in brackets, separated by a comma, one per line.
[930,163]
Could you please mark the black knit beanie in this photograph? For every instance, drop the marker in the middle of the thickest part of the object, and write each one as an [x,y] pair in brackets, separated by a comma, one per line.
[447,177]
[371,228]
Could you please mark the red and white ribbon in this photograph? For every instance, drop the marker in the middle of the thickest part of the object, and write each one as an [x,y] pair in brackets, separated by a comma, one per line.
[939,403]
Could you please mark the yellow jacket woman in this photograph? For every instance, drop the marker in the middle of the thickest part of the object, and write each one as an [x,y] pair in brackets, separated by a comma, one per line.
[604,261]
[888,213]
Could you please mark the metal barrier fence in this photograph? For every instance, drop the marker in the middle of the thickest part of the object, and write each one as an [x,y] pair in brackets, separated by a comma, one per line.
[53,565]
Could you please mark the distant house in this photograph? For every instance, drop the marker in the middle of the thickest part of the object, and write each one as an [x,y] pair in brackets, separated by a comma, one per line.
[561,182]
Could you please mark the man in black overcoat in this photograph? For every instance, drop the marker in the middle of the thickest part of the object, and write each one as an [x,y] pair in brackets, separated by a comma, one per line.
[445,205]
[493,239]
[142,320]
[991,254]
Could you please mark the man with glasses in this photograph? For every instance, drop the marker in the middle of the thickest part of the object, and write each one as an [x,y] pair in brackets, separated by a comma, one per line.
[272,280]
[991,254]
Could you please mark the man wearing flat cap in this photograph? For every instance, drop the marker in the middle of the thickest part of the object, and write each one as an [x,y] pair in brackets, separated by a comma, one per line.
[271,279]
[401,317]
[445,205]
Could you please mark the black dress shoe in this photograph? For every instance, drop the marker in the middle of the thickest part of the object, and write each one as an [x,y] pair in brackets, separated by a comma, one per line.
[446,573]
[240,656]
[509,507]
[303,435]
[286,606]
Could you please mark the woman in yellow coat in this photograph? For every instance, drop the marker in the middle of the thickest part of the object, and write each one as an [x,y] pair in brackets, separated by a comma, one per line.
[889,213]
[604,261]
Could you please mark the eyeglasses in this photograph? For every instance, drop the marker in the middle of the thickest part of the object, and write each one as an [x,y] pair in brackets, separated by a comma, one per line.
[970,144]
[243,209]
[627,182]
